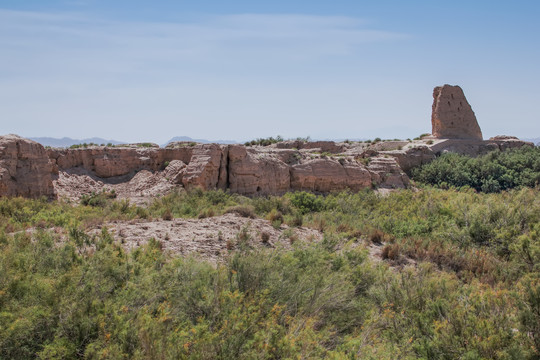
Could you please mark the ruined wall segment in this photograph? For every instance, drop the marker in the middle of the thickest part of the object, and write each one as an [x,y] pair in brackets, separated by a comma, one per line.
[28,169]
[25,169]
[452,117]
[256,173]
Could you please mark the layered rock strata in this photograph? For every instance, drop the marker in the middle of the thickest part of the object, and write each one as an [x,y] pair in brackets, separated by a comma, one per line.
[25,169]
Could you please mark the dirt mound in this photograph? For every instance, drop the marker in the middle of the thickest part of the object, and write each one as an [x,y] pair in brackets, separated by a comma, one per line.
[139,189]
[211,238]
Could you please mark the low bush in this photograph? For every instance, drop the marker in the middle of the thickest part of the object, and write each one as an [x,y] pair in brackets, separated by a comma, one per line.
[306,202]
[494,172]
[98,199]
[167,215]
[242,210]
[265,141]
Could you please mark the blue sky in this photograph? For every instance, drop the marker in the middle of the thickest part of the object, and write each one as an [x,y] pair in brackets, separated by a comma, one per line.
[149,70]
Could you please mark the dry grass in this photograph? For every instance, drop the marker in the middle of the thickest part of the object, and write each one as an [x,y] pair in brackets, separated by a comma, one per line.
[206,213]
[391,252]
[274,215]
[167,215]
[265,237]
[242,210]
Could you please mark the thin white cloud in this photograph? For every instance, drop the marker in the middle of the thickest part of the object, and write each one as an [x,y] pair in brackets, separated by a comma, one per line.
[75,74]
[284,37]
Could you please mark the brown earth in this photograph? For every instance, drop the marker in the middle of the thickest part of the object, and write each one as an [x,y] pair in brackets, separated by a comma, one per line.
[210,238]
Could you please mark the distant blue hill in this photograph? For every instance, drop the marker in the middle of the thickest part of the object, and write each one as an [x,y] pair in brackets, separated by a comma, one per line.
[67,142]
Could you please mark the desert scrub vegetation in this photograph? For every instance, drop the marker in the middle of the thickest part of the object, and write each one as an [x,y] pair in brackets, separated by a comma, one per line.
[271,140]
[83,145]
[98,198]
[265,141]
[474,293]
[421,136]
[75,301]
[494,172]
[17,214]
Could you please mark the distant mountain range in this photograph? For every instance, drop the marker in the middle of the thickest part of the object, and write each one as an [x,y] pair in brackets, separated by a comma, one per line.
[66,142]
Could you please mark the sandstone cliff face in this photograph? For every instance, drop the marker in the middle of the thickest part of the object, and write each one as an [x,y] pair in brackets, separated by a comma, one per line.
[199,165]
[174,172]
[25,169]
[258,172]
[204,167]
[326,175]
[452,117]
[109,162]
[386,173]
[413,157]
[251,172]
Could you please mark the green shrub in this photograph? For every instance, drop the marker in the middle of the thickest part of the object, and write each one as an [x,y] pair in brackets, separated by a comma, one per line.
[99,199]
[265,141]
[306,202]
[494,172]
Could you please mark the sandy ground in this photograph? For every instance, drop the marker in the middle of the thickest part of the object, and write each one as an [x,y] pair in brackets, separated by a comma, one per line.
[214,238]
[210,238]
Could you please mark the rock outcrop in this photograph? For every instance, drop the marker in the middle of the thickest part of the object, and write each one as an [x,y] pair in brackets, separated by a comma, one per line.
[323,146]
[386,173]
[174,172]
[452,117]
[475,147]
[252,172]
[324,175]
[412,157]
[107,162]
[25,169]
[139,171]
[203,169]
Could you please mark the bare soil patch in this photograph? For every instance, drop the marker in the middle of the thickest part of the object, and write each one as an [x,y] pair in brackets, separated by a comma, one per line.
[211,238]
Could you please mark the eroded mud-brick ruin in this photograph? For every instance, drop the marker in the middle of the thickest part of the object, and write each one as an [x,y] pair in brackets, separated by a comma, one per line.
[136,172]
